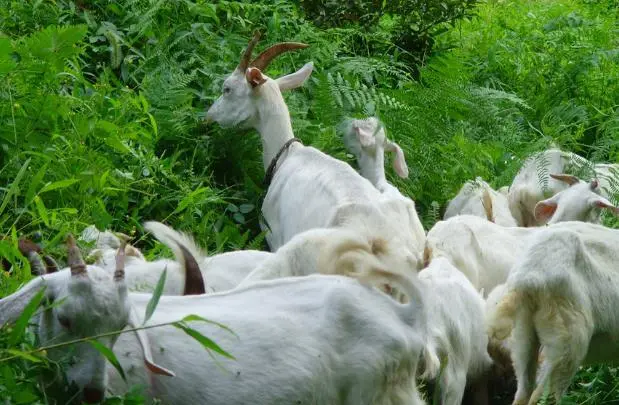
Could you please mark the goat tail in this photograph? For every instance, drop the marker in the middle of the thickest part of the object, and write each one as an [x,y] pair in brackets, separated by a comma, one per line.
[486,201]
[501,322]
[431,363]
[185,251]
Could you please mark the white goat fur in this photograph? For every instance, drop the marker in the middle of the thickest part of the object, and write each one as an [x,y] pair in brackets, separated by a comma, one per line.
[482,250]
[368,143]
[562,298]
[221,272]
[479,199]
[309,187]
[526,191]
[456,330]
[307,340]
[335,251]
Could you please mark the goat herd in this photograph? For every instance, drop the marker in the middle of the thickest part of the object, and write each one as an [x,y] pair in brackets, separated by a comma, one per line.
[356,302]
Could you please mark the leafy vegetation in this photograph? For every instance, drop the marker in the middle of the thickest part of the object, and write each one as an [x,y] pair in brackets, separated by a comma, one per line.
[101,107]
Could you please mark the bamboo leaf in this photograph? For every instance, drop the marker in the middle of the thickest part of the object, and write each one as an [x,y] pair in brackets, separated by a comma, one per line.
[105,351]
[22,322]
[154,300]
[203,340]
[58,184]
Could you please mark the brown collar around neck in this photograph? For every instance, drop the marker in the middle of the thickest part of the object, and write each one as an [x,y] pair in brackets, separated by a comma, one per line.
[268,176]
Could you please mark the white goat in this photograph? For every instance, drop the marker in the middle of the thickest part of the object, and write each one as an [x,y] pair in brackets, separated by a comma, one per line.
[581,201]
[479,199]
[222,271]
[528,188]
[366,139]
[562,298]
[306,187]
[456,330]
[91,301]
[482,250]
[315,339]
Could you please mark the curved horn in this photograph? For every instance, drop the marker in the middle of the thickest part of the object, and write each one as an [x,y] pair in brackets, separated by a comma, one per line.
[119,273]
[76,263]
[244,63]
[262,61]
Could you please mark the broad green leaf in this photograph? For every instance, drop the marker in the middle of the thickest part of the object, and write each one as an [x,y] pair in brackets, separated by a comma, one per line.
[22,322]
[24,355]
[41,209]
[58,184]
[154,300]
[104,350]
[203,340]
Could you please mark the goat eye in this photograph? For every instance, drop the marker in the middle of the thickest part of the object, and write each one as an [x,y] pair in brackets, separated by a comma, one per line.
[226,90]
[64,322]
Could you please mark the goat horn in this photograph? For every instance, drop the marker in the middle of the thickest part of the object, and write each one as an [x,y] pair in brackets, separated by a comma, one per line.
[262,61]
[119,274]
[244,63]
[50,265]
[76,263]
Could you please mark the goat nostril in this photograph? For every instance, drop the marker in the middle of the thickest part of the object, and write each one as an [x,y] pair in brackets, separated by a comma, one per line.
[92,395]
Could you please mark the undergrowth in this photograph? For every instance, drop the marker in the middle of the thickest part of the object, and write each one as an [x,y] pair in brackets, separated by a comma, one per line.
[102,106]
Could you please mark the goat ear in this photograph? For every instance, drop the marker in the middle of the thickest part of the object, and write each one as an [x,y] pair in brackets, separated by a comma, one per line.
[145,345]
[254,77]
[399,161]
[566,178]
[544,210]
[296,79]
[603,203]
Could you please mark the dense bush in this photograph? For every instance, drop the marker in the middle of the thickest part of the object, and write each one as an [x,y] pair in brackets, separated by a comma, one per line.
[101,107]
[408,26]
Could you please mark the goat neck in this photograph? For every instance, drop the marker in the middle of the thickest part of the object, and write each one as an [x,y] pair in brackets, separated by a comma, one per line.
[273,123]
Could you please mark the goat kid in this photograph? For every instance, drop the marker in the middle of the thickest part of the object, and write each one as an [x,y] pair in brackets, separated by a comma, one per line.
[366,139]
[561,298]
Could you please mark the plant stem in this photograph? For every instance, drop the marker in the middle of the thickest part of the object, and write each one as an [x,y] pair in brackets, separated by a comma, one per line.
[70,342]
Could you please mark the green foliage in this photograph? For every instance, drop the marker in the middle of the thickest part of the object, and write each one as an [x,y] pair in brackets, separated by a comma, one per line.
[101,106]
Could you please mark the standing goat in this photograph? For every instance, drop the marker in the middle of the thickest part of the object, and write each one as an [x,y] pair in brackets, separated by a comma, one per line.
[306,187]
[561,299]
[366,139]
[297,340]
